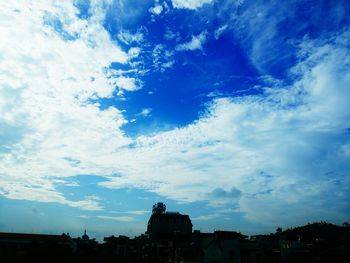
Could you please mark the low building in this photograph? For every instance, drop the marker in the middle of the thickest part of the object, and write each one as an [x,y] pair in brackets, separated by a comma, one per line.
[226,246]
[26,247]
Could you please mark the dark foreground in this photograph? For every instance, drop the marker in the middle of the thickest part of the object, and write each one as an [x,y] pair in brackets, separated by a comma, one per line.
[317,242]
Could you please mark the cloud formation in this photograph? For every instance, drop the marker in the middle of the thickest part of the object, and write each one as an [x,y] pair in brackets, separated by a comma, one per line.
[189,4]
[126,83]
[282,144]
[146,112]
[291,142]
[46,82]
[118,218]
[156,10]
[196,42]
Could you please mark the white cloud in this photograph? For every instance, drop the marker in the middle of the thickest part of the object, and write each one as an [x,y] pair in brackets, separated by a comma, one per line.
[146,112]
[134,52]
[189,4]
[128,84]
[162,58]
[259,27]
[168,64]
[46,81]
[195,43]
[118,218]
[132,212]
[206,217]
[277,150]
[219,31]
[156,10]
[287,152]
[129,38]
[138,212]
[170,35]
[39,189]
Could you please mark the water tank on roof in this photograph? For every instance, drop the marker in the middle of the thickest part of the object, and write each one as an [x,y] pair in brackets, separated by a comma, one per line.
[159,208]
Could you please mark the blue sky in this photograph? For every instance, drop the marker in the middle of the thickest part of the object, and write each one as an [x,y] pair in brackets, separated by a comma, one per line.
[234,112]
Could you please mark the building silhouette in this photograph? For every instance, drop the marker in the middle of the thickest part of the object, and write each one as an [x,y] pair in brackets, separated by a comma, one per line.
[163,224]
[169,238]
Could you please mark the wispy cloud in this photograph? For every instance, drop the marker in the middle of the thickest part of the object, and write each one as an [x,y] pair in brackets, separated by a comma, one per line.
[130,38]
[162,58]
[118,218]
[138,212]
[282,143]
[131,212]
[190,4]
[206,217]
[51,106]
[146,112]
[259,27]
[170,35]
[126,83]
[195,43]
[41,190]
[219,31]
[156,10]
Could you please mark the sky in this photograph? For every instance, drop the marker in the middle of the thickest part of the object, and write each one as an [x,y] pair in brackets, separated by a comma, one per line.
[234,112]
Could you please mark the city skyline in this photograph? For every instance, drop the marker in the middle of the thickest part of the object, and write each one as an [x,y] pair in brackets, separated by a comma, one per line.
[234,112]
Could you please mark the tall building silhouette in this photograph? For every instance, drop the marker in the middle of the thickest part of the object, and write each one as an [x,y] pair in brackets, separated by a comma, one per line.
[163,224]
